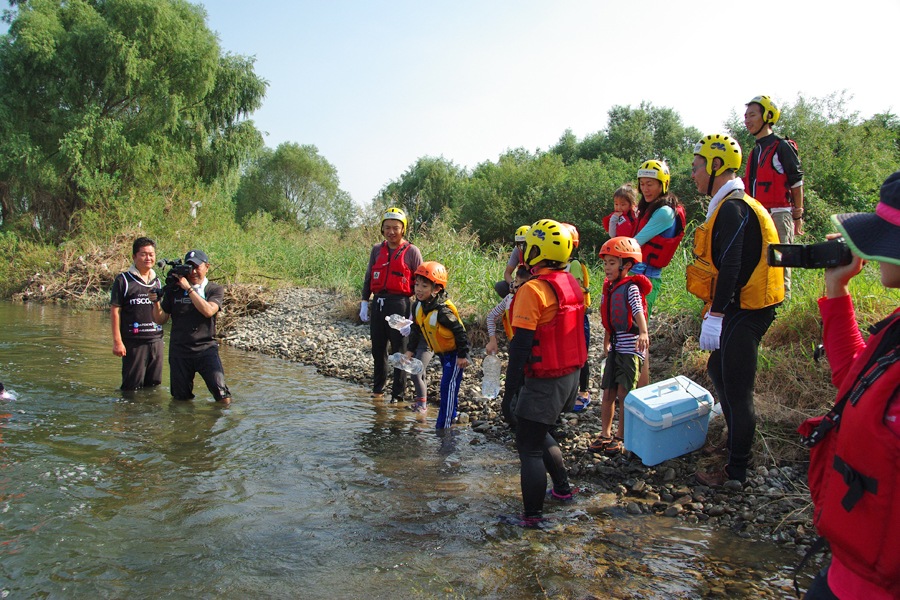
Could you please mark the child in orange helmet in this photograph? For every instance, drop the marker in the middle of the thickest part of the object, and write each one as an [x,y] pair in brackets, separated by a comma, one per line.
[623,311]
[436,319]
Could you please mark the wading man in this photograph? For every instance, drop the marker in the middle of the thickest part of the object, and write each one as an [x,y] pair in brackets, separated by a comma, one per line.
[192,303]
[136,336]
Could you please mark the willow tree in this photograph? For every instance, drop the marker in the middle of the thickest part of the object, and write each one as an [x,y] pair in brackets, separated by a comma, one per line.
[102,97]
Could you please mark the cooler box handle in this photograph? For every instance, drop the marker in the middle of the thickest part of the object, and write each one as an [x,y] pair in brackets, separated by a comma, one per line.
[666,388]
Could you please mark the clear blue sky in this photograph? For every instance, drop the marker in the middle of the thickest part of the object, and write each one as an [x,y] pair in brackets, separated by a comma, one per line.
[376,85]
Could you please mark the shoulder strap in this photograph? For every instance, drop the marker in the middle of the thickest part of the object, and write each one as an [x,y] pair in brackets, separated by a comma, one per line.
[886,354]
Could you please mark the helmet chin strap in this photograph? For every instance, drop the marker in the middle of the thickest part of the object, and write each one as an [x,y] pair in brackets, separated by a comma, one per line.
[712,179]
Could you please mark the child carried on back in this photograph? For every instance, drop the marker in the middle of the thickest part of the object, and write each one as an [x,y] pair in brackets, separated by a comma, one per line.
[623,311]
[436,319]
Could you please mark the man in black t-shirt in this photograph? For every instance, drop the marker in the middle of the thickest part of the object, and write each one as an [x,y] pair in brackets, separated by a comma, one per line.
[193,305]
[136,336]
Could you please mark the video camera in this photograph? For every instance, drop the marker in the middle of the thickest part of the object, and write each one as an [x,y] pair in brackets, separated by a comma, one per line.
[177,269]
[823,255]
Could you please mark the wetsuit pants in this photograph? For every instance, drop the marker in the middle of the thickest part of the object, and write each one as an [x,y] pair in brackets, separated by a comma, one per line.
[381,334]
[732,369]
[539,454]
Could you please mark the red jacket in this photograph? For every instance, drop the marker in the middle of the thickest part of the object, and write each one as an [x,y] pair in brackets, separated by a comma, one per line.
[559,346]
[854,467]
[627,225]
[615,312]
[658,252]
[391,273]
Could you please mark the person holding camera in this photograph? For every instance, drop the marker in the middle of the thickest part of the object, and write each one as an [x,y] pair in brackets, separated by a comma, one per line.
[192,302]
[855,449]
[730,273]
[136,336]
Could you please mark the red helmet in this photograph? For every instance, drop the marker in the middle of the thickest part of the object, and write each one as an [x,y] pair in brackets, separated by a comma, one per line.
[434,272]
[574,233]
[623,247]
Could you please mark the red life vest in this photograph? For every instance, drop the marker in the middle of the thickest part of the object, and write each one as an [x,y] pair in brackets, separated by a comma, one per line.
[391,274]
[854,465]
[658,251]
[627,225]
[559,346]
[770,188]
[615,311]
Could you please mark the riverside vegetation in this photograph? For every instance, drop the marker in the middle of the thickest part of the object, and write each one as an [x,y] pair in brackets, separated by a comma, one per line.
[127,118]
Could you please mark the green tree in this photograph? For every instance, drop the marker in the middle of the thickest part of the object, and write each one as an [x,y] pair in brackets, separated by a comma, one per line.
[101,97]
[295,183]
[425,190]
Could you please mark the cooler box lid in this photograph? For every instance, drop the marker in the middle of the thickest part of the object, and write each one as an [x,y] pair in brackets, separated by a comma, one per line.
[668,402]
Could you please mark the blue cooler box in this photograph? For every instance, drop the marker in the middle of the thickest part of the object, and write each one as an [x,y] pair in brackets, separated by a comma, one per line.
[666,419]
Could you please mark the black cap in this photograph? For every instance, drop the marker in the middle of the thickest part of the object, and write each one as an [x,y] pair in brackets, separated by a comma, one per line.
[875,236]
[196,257]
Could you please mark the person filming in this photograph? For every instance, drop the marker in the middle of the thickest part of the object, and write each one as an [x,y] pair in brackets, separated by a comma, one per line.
[193,302]
[855,449]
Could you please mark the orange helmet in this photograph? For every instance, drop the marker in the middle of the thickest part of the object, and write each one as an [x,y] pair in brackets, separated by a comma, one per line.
[574,233]
[623,247]
[434,272]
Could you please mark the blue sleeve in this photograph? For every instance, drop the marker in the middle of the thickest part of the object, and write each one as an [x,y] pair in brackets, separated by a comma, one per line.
[661,220]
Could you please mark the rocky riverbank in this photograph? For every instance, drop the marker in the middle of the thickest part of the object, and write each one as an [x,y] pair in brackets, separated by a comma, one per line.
[307,326]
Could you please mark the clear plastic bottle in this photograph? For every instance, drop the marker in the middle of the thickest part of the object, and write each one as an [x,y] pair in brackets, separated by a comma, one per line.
[410,365]
[397,322]
[490,384]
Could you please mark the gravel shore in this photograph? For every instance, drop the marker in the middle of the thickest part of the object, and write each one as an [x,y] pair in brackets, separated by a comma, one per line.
[303,325]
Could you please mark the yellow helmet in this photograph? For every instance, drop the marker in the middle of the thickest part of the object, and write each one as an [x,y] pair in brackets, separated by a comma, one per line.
[719,146]
[394,213]
[656,169]
[552,239]
[520,233]
[770,111]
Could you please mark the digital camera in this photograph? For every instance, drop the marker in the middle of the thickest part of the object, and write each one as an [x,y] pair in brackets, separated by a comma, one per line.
[176,269]
[832,253]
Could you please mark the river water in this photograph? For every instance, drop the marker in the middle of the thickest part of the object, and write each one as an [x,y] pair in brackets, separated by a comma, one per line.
[302,488]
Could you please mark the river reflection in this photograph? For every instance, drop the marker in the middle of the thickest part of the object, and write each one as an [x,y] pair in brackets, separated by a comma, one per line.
[302,488]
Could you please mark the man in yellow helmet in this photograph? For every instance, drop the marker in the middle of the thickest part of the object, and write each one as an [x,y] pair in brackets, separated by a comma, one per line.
[389,277]
[774,175]
[741,291]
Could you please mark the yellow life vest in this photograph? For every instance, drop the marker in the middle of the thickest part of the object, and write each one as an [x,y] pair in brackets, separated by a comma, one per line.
[507,324]
[766,284]
[583,279]
[439,338]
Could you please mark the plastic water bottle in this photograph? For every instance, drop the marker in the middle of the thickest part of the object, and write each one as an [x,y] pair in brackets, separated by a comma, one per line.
[490,385]
[397,322]
[410,365]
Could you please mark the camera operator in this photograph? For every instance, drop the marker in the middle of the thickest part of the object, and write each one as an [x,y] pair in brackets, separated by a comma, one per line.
[193,302]
[136,336]
[856,447]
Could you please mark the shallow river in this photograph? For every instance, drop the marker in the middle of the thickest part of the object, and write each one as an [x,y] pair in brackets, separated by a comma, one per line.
[303,488]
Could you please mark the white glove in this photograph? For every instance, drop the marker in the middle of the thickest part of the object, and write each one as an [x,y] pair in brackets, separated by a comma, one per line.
[364,311]
[711,333]
[404,331]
